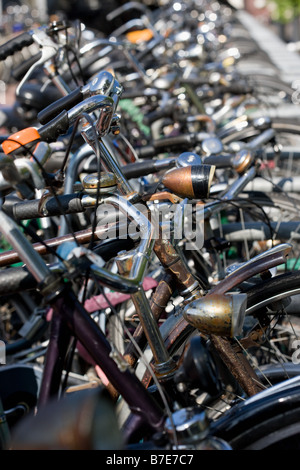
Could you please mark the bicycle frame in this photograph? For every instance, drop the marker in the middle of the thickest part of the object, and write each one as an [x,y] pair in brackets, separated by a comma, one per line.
[71,319]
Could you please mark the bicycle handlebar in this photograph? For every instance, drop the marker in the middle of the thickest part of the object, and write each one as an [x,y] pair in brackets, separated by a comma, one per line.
[16,44]
[65,204]
[21,69]
[60,124]
[165,144]
[103,83]
[42,273]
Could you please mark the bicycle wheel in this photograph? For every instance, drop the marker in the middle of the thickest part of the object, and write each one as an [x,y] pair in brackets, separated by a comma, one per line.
[250,224]
[281,157]
[256,221]
[270,421]
[276,301]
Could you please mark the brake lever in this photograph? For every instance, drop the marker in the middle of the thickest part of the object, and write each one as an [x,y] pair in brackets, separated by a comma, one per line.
[48,48]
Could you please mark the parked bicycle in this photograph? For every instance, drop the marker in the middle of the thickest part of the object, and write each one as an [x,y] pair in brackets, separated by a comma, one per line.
[152,272]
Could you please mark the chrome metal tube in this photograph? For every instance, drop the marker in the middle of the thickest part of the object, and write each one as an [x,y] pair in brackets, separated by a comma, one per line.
[111,165]
[19,242]
[71,175]
[237,187]
[89,105]
[163,362]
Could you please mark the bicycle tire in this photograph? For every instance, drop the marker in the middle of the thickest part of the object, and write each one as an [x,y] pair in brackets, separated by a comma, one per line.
[269,422]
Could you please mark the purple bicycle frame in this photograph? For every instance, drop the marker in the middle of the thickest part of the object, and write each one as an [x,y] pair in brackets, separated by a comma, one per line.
[71,319]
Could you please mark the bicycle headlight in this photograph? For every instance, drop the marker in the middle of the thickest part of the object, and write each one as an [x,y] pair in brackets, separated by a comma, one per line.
[192,181]
[218,314]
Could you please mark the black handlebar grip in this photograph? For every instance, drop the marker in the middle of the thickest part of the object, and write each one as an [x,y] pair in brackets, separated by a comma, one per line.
[13,280]
[238,89]
[24,210]
[147,151]
[219,161]
[184,141]
[63,104]
[21,69]
[138,169]
[159,113]
[167,143]
[66,204]
[56,127]
[15,44]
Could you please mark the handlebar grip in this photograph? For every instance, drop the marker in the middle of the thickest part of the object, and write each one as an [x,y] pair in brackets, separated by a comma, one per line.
[13,280]
[165,144]
[178,140]
[20,70]
[66,204]
[239,89]
[138,169]
[15,44]
[160,113]
[56,127]
[63,104]
[219,161]
[147,151]
[262,139]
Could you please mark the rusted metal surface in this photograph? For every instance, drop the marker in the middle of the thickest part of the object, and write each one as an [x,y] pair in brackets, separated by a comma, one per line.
[241,161]
[238,365]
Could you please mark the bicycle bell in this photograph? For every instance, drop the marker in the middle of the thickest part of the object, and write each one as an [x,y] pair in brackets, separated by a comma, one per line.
[212,146]
[107,183]
[188,159]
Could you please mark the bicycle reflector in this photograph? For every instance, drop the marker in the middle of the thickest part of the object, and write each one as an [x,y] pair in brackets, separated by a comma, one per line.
[218,314]
[192,181]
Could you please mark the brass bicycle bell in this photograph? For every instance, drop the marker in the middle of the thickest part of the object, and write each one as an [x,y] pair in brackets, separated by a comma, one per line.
[106,183]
